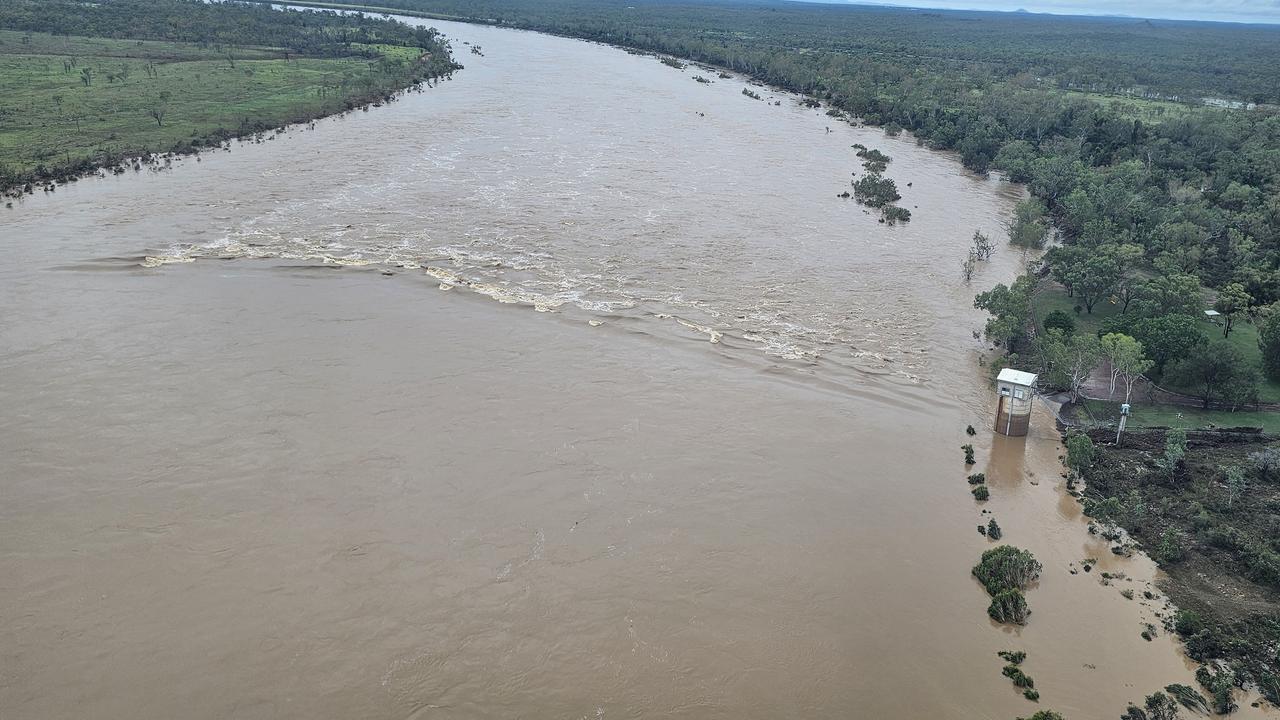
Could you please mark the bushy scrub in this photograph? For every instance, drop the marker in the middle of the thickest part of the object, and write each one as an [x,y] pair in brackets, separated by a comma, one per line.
[1007,568]
[1219,683]
[993,530]
[1019,678]
[1158,706]
[1009,606]
[893,214]
[1005,571]
[875,190]
[1013,657]
[1189,698]
[1266,463]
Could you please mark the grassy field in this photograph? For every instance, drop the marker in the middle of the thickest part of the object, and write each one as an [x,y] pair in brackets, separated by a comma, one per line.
[1144,415]
[52,113]
[372,7]
[1141,108]
[1052,297]
[1243,334]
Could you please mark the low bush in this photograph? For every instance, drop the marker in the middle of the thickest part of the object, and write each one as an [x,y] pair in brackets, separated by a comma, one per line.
[1013,657]
[993,530]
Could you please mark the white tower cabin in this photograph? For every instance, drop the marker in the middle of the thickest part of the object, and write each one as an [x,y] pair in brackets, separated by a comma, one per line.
[1013,413]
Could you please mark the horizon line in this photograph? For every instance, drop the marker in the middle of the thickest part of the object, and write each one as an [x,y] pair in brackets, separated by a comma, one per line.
[1077,13]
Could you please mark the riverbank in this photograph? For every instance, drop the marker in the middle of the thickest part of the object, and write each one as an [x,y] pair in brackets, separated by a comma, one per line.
[76,105]
[366,496]
[1213,533]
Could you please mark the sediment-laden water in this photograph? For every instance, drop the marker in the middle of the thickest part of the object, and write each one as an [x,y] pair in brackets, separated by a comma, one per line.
[245,474]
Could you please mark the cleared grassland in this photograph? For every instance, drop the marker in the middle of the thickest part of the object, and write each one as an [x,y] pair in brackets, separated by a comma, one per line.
[53,113]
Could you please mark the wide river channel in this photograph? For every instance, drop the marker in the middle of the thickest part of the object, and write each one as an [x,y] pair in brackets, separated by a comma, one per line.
[644,422]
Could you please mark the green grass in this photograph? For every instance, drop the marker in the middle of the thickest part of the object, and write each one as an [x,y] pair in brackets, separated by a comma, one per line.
[13,42]
[372,8]
[1243,334]
[393,52]
[1146,415]
[1141,108]
[1052,297]
[49,116]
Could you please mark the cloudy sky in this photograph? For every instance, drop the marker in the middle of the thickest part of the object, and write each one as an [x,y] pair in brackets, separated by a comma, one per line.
[1266,11]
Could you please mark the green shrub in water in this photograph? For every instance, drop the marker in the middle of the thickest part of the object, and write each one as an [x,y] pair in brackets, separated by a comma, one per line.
[1189,698]
[1007,568]
[1013,657]
[1019,678]
[993,530]
[1009,606]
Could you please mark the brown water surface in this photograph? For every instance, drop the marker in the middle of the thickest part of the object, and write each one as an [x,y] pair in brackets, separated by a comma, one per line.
[245,475]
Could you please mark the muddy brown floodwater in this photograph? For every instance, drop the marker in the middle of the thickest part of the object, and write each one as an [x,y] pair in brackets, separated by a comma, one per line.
[246,475]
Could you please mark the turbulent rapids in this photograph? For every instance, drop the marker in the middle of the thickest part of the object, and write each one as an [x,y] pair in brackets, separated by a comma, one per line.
[718,477]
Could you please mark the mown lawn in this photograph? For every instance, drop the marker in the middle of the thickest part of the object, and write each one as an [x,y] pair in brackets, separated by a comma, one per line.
[1145,415]
[49,114]
[1052,297]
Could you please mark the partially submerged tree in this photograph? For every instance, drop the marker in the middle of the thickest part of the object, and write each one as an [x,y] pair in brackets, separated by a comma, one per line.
[983,246]
[1009,606]
[1006,568]
[1080,452]
[875,190]
[1189,698]
[1157,707]
[1010,308]
[1028,228]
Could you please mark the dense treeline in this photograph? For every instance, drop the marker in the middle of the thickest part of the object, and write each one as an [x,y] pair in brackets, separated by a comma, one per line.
[1142,206]
[761,36]
[311,33]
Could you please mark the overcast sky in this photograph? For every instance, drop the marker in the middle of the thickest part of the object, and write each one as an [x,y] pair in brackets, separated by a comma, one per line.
[1267,11]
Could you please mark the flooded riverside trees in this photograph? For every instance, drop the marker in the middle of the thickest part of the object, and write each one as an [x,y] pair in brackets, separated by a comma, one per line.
[615,437]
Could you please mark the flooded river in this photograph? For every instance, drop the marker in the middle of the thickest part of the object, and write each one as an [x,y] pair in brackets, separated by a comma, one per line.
[646,423]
